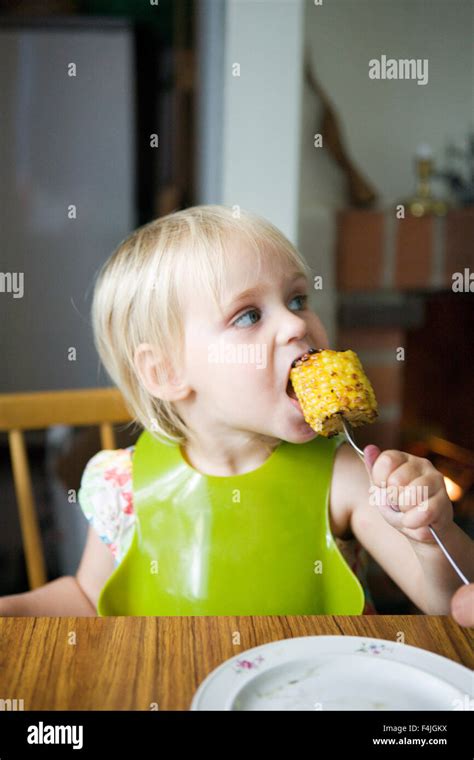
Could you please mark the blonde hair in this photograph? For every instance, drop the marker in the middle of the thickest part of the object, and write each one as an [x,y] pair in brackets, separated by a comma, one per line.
[138,295]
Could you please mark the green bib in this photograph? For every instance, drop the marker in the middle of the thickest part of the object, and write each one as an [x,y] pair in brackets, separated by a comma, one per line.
[258,543]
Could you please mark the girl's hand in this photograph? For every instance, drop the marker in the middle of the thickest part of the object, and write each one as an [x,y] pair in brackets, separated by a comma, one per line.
[414,487]
[462,605]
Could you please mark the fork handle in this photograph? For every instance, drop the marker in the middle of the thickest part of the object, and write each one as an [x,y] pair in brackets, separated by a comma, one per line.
[448,556]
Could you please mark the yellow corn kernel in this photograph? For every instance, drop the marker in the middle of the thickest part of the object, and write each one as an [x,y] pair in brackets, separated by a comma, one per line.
[329,384]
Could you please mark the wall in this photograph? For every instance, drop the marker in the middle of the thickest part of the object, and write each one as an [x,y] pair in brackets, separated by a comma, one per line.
[262,109]
[384,121]
[210,48]
[65,140]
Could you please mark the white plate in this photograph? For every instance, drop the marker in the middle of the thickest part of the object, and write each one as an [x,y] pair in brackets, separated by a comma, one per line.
[336,673]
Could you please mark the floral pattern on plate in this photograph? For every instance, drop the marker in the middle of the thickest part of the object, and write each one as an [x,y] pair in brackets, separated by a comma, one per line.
[367,647]
[243,666]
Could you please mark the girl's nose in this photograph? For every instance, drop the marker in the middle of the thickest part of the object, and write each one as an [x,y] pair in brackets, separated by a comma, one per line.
[291,327]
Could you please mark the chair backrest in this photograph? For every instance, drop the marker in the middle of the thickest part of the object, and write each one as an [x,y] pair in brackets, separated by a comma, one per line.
[33,411]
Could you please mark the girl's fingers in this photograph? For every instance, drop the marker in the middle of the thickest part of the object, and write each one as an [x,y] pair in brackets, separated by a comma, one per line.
[427,512]
[385,464]
[371,453]
[411,475]
[462,605]
[411,489]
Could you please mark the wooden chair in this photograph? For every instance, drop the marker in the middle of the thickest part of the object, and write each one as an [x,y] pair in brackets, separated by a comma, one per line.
[33,411]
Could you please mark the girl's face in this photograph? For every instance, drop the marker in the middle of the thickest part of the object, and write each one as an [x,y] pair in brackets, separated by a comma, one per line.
[237,363]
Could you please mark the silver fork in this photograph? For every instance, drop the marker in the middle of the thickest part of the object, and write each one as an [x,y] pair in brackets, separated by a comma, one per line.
[350,437]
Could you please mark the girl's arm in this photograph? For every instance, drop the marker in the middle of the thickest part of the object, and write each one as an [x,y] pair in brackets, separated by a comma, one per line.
[442,581]
[419,569]
[61,597]
[67,596]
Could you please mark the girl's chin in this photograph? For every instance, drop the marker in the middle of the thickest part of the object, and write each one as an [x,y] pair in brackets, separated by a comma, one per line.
[304,432]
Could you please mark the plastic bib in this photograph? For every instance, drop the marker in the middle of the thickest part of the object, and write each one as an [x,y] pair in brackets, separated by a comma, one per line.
[258,543]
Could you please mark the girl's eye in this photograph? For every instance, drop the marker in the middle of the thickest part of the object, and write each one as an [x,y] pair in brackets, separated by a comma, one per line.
[252,314]
[302,298]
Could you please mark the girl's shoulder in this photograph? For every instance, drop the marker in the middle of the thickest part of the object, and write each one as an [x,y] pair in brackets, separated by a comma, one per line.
[106,498]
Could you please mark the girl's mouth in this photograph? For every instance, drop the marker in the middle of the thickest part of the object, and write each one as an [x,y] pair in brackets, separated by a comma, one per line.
[290,392]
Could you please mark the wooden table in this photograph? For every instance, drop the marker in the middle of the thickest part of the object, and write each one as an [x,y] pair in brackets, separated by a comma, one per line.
[143,663]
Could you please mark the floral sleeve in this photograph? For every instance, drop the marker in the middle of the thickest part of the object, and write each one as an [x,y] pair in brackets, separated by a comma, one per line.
[105,497]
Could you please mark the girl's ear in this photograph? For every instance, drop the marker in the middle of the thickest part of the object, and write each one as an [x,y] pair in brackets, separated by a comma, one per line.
[158,375]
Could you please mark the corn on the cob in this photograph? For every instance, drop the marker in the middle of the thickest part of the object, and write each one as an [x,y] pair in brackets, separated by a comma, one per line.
[329,384]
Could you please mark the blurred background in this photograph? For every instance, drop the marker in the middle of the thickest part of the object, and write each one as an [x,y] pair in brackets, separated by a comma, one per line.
[115,112]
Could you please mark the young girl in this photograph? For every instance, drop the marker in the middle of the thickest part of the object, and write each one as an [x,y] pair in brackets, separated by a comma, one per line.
[229,503]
